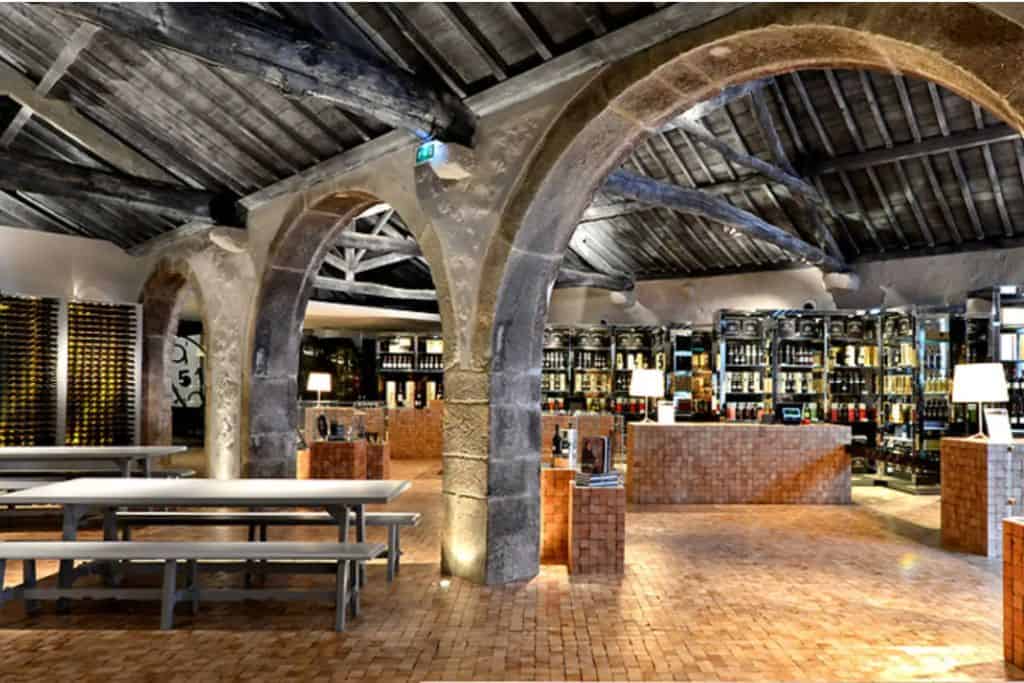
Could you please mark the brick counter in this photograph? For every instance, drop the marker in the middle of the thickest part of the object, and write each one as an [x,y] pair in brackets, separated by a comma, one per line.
[978,478]
[718,463]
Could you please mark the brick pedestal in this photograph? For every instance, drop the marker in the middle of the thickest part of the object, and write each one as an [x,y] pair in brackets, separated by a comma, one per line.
[1013,590]
[978,481]
[416,433]
[378,461]
[302,464]
[721,463]
[337,460]
[554,519]
[597,530]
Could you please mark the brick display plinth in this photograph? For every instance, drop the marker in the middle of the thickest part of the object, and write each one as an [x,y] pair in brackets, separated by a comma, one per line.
[738,463]
[337,460]
[978,481]
[597,530]
[554,519]
[1013,590]
[302,464]
[378,461]
[416,433]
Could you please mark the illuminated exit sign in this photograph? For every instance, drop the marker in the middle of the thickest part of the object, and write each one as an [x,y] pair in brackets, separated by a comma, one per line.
[426,152]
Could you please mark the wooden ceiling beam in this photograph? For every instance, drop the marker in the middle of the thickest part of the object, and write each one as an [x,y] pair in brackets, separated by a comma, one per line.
[42,175]
[359,240]
[570,277]
[656,193]
[297,62]
[912,150]
[373,289]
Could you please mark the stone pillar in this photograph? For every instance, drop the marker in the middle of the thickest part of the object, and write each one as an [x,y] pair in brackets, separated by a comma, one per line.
[160,301]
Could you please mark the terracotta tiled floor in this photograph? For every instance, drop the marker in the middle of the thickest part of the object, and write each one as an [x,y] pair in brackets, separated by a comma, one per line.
[710,593]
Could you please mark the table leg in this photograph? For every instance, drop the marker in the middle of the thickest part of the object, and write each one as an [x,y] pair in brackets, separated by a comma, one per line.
[361,538]
[147,468]
[69,532]
[112,574]
[126,467]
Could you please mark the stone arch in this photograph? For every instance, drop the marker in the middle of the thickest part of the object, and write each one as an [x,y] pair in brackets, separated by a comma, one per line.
[294,257]
[161,308]
[966,48]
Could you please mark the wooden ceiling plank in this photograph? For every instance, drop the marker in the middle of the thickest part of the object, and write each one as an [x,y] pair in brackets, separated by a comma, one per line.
[954,159]
[826,142]
[473,37]
[515,16]
[926,162]
[858,141]
[247,40]
[372,289]
[993,177]
[423,46]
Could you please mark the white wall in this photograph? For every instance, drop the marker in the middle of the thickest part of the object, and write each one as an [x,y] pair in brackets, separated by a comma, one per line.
[44,264]
[691,300]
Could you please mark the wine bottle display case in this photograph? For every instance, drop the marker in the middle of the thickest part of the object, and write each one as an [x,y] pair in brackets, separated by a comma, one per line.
[410,369]
[70,372]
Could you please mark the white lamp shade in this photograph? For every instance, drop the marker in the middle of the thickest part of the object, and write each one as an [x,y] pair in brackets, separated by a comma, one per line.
[979,383]
[647,383]
[318,381]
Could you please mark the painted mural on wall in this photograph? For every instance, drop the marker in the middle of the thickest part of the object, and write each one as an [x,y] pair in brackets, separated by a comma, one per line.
[187,385]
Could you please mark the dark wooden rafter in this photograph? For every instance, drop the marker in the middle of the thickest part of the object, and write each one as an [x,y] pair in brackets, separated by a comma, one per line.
[826,142]
[713,104]
[40,175]
[926,162]
[297,62]
[954,160]
[766,127]
[940,145]
[993,176]
[656,193]
[858,141]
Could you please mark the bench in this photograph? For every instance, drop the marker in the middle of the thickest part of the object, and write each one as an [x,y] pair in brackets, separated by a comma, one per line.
[56,473]
[345,594]
[393,521]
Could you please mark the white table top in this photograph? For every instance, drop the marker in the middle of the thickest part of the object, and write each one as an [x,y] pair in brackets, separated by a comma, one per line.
[129,492]
[87,452]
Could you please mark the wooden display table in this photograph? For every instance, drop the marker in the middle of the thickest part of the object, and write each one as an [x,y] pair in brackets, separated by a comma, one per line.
[597,523]
[554,519]
[378,460]
[337,460]
[981,485]
[728,462]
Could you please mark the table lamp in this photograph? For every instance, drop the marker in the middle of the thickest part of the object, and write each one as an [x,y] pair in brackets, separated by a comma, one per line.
[318,382]
[647,384]
[979,383]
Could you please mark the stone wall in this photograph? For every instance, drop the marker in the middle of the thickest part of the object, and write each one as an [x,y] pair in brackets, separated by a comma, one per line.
[738,463]
[979,479]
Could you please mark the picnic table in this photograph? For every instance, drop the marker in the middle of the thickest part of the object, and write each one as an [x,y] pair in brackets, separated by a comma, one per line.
[79,497]
[124,457]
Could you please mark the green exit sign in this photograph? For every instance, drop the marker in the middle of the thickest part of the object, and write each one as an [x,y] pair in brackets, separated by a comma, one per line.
[425,152]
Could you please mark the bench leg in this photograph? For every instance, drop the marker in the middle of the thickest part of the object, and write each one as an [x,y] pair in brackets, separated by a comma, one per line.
[398,551]
[126,533]
[112,574]
[341,601]
[169,590]
[28,579]
[69,532]
[249,563]
[354,599]
[361,538]
[193,584]
[392,552]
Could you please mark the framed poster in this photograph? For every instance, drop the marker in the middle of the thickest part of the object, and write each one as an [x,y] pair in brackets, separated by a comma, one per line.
[998,422]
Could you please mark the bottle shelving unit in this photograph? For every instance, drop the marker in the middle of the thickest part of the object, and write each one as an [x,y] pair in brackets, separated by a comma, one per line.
[744,386]
[798,351]
[410,362]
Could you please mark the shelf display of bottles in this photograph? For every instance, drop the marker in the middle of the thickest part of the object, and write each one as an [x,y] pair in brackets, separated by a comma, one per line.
[410,369]
[743,386]
[798,363]
[397,361]
[28,371]
[102,372]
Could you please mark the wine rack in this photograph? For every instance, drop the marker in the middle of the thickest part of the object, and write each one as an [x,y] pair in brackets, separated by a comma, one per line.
[28,371]
[69,372]
[102,375]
